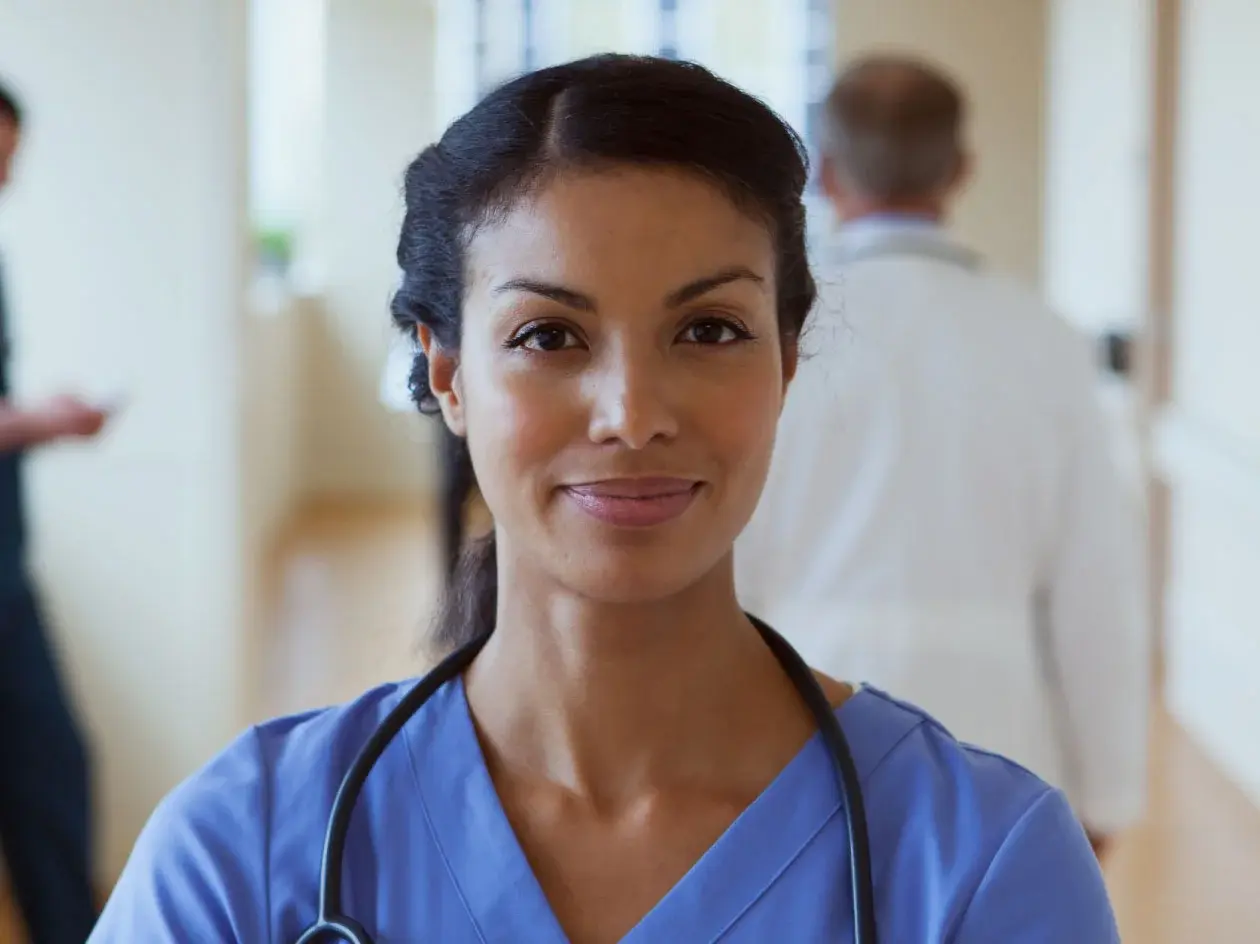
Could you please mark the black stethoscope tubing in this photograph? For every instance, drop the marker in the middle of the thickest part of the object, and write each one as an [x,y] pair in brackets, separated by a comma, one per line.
[332,926]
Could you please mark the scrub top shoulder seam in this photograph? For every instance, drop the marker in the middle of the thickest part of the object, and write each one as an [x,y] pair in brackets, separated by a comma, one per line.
[975,750]
[966,747]
[892,748]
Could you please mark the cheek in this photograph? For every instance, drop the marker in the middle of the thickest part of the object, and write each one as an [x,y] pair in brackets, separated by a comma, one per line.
[749,439]
[744,434]
[516,423]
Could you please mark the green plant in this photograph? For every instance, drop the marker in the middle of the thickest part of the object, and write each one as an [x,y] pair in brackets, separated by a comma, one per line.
[274,247]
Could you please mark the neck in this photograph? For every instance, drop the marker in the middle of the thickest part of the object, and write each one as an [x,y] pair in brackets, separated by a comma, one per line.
[612,700]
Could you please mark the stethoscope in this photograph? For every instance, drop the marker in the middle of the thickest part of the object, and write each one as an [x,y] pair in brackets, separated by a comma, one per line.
[333,926]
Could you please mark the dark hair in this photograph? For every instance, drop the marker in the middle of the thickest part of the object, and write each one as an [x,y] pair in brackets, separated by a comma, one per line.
[894,127]
[606,110]
[10,107]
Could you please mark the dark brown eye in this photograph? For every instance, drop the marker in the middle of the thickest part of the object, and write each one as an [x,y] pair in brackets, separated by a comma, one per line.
[546,338]
[550,339]
[713,331]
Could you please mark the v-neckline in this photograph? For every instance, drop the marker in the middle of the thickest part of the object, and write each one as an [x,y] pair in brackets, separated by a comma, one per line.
[503,896]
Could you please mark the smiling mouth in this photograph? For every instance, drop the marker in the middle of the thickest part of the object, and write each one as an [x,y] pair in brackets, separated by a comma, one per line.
[634,503]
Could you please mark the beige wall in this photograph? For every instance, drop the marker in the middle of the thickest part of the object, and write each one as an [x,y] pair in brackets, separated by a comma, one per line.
[997,48]
[125,237]
[1210,441]
[379,114]
[274,385]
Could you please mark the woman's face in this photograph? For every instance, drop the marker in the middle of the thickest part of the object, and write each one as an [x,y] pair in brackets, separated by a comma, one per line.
[619,379]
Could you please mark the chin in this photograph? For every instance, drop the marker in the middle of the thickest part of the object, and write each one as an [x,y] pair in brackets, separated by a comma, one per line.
[635,575]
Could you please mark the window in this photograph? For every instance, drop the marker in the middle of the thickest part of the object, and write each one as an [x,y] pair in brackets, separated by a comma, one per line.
[667,18]
[529,45]
[816,79]
[286,105]
[784,58]
[481,42]
[516,36]
[818,28]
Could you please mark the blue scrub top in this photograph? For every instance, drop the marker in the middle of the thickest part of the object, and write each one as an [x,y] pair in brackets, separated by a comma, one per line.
[967,847]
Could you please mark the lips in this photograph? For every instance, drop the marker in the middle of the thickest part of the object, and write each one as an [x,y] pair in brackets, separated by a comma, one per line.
[634,503]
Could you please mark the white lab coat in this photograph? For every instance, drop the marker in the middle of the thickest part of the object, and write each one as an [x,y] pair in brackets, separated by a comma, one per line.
[944,517]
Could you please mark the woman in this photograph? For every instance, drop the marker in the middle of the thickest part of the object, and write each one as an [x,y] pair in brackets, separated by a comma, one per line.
[604,265]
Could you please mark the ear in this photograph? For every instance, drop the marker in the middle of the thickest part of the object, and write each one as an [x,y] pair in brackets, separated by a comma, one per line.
[444,380]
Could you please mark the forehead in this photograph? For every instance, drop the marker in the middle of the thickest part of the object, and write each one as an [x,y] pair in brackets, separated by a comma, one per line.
[646,227]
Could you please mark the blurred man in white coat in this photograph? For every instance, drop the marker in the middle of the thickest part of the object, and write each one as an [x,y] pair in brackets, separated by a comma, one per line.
[944,517]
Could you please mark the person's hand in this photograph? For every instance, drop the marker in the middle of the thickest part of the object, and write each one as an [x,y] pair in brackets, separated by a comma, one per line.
[68,416]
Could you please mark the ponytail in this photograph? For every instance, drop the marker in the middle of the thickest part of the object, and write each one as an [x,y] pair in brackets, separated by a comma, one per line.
[457,481]
[470,600]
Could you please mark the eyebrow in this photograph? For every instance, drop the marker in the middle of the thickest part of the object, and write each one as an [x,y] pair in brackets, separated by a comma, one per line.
[693,290]
[576,300]
[557,293]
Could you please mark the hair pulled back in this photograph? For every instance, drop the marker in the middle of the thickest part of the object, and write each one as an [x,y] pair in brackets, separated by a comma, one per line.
[603,111]
[10,107]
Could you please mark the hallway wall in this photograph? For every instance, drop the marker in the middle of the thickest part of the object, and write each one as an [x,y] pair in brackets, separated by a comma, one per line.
[1209,443]
[379,114]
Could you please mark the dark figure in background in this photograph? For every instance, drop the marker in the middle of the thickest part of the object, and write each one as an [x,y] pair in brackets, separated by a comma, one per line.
[44,795]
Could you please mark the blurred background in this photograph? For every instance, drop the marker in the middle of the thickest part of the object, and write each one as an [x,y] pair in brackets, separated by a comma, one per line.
[203,222]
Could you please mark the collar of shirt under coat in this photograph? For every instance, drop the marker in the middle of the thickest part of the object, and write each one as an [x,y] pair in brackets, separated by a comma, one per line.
[885,235]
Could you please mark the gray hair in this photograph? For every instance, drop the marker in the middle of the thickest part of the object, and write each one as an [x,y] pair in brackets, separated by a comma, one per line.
[893,127]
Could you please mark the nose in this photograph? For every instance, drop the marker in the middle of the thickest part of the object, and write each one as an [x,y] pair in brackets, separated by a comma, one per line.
[630,399]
